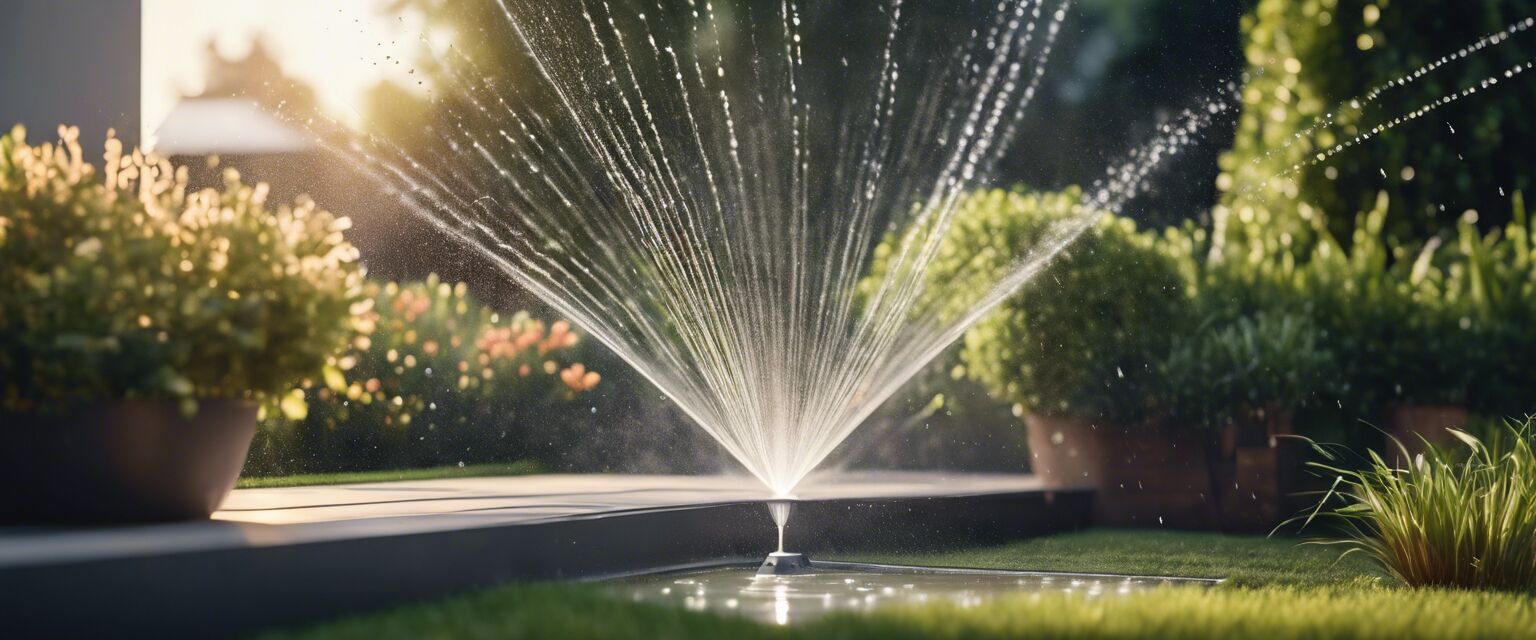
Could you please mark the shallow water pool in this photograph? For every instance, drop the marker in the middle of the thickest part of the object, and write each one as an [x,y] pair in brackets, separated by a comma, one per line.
[837,587]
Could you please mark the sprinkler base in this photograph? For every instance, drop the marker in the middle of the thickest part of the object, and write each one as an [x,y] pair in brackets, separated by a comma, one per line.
[780,563]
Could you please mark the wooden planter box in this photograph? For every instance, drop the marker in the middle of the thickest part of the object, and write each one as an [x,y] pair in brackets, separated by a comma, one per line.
[1242,477]
[1257,471]
[1413,425]
[122,462]
[1147,475]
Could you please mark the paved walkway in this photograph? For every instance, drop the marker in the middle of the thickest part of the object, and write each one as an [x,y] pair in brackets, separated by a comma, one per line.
[268,517]
[538,497]
[290,556]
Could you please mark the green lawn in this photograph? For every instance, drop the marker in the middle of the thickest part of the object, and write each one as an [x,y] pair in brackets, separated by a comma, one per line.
[358,477]
[1241,560]
[1276,590]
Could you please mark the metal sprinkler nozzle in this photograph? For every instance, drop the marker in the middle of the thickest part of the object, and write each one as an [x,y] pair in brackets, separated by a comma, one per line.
[781,562]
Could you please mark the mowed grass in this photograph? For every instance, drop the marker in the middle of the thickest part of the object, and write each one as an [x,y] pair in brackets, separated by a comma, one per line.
[1275,589]
[360,477]
[1240,560]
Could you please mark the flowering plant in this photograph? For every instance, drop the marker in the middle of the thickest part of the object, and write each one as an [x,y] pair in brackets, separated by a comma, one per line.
[128,285]
[426,344]
[433,377]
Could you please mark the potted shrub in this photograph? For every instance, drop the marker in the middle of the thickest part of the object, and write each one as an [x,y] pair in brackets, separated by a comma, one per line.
[1075,351]
[1245,378]
[1430,398]
[141,325]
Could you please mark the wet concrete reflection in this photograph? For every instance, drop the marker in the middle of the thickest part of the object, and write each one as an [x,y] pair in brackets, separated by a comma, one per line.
[788,599]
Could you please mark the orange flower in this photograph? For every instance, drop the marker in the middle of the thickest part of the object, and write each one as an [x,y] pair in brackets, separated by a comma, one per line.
[571,376]
[578,379]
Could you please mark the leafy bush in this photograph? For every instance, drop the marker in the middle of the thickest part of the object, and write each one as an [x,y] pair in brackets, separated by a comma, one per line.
[1462,518]
[1082,338]
[434,378]
[1375,316]
[1308,58]
[1484,287]
[124,285]
[1269,360]
[1438,322]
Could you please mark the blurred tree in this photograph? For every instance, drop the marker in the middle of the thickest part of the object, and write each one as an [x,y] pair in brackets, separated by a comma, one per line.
[1123,67]
[257,76]
[1309,58]
[1120,68]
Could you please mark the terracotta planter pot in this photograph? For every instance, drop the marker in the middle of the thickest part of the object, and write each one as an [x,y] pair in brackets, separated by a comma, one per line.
[1151,474]
[1412,425]
[122,462]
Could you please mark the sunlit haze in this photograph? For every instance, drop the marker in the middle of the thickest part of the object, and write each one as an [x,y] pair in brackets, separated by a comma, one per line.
[339,47]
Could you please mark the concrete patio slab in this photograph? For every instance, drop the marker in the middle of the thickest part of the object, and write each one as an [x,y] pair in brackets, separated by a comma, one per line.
[528,498]
[283,556]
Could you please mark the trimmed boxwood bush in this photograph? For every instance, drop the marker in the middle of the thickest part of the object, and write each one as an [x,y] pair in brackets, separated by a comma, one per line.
[1084,337]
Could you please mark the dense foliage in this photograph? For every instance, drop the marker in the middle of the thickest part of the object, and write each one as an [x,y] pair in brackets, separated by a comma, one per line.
[1084,336]
[1129,323]
[125,285]
[1307,59]
[1462,517]
[433,378]
[1438,322]
[1269,360]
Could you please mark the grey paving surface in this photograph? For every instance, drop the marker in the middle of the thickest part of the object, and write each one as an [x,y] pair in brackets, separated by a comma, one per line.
[272,517]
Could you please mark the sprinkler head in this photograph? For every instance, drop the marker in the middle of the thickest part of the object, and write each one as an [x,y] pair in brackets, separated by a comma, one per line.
[780,563]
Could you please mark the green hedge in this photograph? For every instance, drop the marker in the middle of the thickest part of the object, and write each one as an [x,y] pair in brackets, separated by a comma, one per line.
[1085,335]
[1128,324]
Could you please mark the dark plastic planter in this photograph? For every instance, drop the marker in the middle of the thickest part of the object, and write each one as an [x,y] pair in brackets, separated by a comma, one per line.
[122,462]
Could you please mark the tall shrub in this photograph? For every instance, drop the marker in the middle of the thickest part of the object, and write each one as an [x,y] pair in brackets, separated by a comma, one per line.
[1308,58]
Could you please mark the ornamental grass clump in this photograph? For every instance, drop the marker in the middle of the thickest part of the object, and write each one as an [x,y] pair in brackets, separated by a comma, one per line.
[127,285]
[1463,517]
